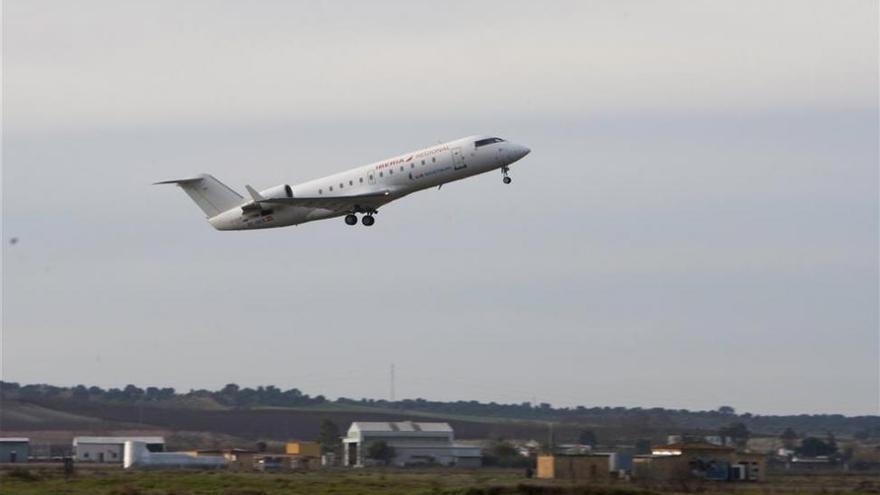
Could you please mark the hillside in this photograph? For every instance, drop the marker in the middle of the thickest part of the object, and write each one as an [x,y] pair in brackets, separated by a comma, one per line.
[270,414]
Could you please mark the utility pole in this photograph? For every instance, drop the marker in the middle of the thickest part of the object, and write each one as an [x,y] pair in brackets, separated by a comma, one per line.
[392,382]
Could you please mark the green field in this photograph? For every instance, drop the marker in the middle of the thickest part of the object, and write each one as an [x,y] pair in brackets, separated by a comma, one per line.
[391,482]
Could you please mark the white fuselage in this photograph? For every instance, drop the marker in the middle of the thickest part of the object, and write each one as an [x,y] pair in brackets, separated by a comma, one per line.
[395,177]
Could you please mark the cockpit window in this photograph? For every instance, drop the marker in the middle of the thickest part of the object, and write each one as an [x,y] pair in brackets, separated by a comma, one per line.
[484,142]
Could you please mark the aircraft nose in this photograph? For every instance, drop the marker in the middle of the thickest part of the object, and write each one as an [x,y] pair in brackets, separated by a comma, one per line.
[521,151]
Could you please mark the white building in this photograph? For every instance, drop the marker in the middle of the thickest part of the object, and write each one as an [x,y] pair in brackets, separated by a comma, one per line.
[110,449]
[413,443]
[136,456]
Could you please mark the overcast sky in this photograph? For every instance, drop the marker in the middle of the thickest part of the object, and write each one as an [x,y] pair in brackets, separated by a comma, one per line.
[697,224]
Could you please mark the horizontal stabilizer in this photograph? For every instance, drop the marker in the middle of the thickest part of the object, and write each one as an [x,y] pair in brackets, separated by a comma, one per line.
[211,195]
[179,181]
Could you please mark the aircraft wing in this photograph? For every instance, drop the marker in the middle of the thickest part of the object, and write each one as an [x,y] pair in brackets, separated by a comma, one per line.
[335,203]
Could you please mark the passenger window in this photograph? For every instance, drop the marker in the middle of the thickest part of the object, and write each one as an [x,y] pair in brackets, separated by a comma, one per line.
[412,165]
[351,183]
[390,171]
[361,180]
[381,174]
[423,162]
[401,168]
[331,188]
[433,158]
[320,191]
[371,176]
[340,185]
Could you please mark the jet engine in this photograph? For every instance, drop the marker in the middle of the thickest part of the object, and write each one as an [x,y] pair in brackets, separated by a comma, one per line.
[280,191]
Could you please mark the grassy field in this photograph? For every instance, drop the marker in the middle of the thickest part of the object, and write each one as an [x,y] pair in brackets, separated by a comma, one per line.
[391,482]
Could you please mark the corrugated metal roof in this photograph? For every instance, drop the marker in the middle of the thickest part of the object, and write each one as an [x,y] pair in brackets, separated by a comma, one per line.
[117,440]
[409,426]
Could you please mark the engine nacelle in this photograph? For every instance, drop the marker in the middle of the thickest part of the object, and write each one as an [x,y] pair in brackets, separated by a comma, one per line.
[277,192]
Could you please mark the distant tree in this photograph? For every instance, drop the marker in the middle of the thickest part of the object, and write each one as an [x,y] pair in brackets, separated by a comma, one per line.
[738,432]
[789,438]
[328,436]
[643,446]
[380,451]
[261,446]
[132,392]
[727,410]
[812,447]
[587,437]
[504,454]
[80,392]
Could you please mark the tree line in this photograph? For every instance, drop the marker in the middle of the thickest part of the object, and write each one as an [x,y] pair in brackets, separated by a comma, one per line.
[631,418]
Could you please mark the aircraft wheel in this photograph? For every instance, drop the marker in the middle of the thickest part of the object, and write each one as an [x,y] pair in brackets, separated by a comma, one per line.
[368,220]
[507,180]
[351,219]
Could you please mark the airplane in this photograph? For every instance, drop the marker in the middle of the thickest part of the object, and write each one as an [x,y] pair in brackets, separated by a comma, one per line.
[360,190]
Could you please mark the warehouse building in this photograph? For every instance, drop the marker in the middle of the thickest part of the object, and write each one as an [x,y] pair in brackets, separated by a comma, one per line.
[413,444]
[14,449]
[110,449]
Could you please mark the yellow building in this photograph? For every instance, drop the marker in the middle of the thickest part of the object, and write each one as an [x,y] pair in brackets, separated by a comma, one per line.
[574,467]
[306,449]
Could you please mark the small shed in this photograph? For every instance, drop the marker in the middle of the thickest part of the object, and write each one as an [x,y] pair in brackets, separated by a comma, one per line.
[14,449]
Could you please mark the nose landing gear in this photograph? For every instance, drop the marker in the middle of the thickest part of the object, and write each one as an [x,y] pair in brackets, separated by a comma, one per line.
[504,170]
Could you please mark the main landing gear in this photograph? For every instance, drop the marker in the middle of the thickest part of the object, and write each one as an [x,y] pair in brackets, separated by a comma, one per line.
[368,219]
[504,170]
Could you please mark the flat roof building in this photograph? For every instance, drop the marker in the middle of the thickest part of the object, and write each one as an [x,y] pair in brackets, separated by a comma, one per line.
[699,460]
[413,443]
[14,449]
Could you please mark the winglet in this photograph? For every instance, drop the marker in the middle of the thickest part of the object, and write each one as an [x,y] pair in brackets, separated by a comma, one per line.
[254,194]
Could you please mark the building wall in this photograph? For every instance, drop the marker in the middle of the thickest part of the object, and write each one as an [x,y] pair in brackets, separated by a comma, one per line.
[681,467]
[99,452]
[574,467]
[14,451]
[311,449]
[661,468]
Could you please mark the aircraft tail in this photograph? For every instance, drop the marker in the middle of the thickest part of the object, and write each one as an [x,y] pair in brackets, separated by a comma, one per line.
[212,196]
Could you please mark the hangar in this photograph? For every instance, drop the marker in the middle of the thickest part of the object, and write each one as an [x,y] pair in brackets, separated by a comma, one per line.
[413,443]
